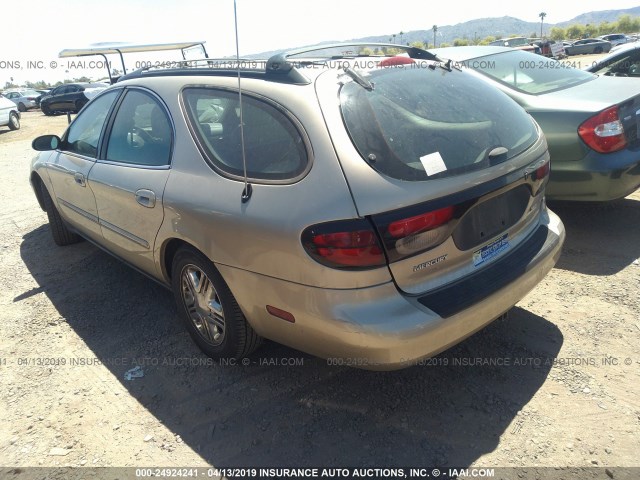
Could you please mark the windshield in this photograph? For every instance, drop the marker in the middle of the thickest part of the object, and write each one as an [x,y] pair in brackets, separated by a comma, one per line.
[530,73]
[419,123]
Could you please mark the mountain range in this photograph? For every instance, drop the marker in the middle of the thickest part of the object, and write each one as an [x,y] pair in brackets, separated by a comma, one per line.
[481,28]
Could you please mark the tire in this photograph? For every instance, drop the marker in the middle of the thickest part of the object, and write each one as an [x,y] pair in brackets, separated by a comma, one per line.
[208,308]
[21,107]
[14,121]
[61,234]
[597,50]
[46,110]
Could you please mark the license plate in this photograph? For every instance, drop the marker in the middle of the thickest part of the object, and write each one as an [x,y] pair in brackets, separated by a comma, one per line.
[491,250]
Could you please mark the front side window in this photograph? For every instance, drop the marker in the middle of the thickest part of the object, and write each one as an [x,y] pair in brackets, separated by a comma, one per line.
[419,123]
[274,148]
[84,133]
[141,133]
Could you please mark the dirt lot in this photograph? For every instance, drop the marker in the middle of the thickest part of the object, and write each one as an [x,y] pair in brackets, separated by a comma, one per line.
[562,389]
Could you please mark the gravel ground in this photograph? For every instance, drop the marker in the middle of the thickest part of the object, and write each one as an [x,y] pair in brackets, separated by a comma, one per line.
[556,384]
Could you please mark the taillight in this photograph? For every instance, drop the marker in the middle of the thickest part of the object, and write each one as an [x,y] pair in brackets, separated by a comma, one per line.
[420,223]
[411,231]
[348,244]
[542,171]
[604,132]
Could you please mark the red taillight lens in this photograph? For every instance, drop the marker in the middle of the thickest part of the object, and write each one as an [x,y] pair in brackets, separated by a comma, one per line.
[344,244]
[604,132]
[542,171]
[420,223]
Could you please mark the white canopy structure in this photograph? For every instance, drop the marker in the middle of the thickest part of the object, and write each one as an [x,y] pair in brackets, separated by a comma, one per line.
[120,48]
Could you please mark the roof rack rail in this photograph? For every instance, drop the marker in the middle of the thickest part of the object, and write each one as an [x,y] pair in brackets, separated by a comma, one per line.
[284,63]
[413,52]
[248,67]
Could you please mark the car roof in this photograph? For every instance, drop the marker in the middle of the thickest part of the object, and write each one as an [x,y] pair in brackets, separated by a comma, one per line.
[297,67]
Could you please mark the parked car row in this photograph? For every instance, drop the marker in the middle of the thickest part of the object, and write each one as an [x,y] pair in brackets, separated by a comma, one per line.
[70,97]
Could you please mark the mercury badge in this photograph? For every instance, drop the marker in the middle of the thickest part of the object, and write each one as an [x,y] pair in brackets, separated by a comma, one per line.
[429,263]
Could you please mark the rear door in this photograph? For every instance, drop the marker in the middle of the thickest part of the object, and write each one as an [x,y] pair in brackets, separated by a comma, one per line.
[129,179]
[70,165]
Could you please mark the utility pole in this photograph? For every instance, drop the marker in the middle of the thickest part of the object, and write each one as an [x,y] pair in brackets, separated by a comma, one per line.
[435,29]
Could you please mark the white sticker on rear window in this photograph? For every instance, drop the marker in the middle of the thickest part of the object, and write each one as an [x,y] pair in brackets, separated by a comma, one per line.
[433,163]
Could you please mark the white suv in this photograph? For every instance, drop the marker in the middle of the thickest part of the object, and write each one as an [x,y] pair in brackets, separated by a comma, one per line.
[615,38]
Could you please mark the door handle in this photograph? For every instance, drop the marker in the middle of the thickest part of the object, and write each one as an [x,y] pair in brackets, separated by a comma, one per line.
[146,198]
[80,179]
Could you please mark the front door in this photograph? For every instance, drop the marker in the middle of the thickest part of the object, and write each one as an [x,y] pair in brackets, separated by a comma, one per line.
[69,166]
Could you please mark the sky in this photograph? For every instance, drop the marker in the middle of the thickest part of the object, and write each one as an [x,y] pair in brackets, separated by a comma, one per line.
[31,45]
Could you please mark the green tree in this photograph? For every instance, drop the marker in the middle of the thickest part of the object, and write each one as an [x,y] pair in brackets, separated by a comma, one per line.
[627,24]
[575,31]
[604,28]
[557,33]
[460,42]
[591,30]
[487,40]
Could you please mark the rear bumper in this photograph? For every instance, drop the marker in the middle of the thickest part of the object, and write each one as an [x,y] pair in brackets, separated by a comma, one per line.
[377,327]
[596,178]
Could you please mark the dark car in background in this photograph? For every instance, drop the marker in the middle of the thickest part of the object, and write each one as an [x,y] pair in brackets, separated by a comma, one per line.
[588,46]
[590,121]
[70,97]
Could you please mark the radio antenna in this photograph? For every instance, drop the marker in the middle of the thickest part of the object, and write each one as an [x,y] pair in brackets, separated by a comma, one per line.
[246,192]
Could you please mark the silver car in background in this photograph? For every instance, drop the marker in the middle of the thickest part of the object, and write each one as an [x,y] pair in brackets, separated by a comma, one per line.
[24,99]
[383,210]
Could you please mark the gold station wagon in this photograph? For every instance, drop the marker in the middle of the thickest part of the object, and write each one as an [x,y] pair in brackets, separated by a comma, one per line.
[377,209]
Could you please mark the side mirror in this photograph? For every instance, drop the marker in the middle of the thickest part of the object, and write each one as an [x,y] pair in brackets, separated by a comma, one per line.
[46,143]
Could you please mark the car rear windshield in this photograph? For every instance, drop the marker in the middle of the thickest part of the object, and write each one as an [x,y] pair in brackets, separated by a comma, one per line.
[419,123]
[529,73]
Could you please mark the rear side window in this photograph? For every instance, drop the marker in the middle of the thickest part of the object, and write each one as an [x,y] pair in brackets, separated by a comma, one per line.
[141,132]
[84,133]
[274,148]
[422,123]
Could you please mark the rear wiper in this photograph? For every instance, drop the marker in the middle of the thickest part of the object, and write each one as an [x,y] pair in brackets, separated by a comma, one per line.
[359,79]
